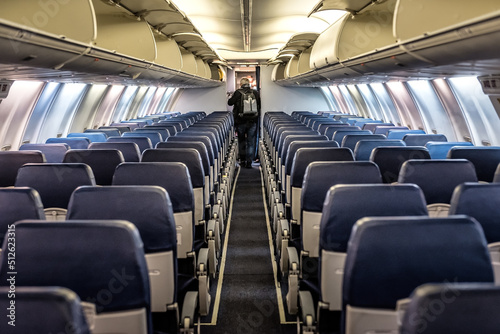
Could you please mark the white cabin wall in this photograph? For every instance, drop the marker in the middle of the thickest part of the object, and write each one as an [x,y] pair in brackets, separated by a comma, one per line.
[201,99]
[278,98]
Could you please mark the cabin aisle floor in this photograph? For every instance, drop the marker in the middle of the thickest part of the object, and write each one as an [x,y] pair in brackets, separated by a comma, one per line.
[248,301]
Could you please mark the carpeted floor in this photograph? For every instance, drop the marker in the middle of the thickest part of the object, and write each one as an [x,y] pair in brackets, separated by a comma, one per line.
[248,301]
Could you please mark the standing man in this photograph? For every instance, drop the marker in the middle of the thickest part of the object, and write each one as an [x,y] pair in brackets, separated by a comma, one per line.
[246,112]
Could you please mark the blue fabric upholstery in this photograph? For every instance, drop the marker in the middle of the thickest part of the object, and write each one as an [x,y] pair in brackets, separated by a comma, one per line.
[55,182]
[350,141]
[102,162]
[164,134]
[283,135]
[390,159]
[437,178]
[76,143]
[216,144]
[340,133]
[485,159]
[154,136]
[144,143]
[318,123]
[121,129]
[364,148]
[345,204]
[297,144]
[320,176]
[193,138]
[130,151]
[130,126]
[12,161]
[439,150]
[93,137]
[189,156]
[496,178]
[400,134]
[43,310]
[292,138]
[388,257]
[172,176]
[18,204]
[84,256]
[172,131]
[384,129]
[460,308]
[481,201]
[305,156]
[372,126]
[330,129]
[52,152]
[324,126]
[422,139]
[107,132]
[147,207]
[198,146]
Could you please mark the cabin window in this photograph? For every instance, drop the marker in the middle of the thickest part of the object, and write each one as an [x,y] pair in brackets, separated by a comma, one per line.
[385,103]
[350,102]
[431,109]
[330,99]
[478,110]
[124,104]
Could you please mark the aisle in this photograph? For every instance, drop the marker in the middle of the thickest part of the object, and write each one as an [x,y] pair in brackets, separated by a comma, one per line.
[248,301]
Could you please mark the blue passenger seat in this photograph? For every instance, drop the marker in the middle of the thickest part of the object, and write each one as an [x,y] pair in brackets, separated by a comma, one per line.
[78,255]
[485,159]
[75,143]
[55,183]
[400,134]
[144,143]
[96,137]
[422,139]
[390,159]
[18,204]
[351,140]
[43,310]
[154,136]
[129,150]
[463,308]
[52,152]
[439,150]
[12,161]
[102,162]
[389,257]
[364,148]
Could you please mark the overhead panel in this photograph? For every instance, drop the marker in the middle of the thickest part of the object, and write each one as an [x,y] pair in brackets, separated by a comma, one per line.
[169,54]
[352,6]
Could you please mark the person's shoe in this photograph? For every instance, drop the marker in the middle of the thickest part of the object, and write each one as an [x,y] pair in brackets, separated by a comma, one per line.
[248,164]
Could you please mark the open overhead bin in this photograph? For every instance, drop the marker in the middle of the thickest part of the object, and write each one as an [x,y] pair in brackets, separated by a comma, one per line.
[91,40]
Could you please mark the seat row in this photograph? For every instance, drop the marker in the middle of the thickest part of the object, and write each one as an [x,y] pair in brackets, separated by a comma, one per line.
[180,233]
[302,238]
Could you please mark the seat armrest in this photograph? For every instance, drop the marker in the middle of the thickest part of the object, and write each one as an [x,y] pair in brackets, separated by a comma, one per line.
[189,311]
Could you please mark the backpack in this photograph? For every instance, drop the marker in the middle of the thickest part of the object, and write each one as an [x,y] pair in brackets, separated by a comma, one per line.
[248,103]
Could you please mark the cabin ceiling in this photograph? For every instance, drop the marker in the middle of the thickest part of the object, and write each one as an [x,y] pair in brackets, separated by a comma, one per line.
[254,30]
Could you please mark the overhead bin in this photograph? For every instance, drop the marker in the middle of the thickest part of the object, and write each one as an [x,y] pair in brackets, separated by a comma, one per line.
[292,67]
[352,6]
[91,41]
[405,38]
[304,61]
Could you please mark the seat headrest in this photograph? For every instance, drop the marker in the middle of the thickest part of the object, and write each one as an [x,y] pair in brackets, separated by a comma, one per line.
[154,136]
[55,182]
[364,148]
[390,159]
[439,150]
[129,150]
[458,308]
[320,176]
[437,178]
[204,139]
[147,207]
[305,155]
[339,134]
[44,310]
[351,140]
[189,156]
[400,134]
[18,204]
[388,257]
[485,159]
[292,138]
[84,256]
[12,161]
[346,204]
[143,142]
[102,162]
[52,152]
[96,137]
[289,152]
[198,146]
[481,201]
[422,139]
